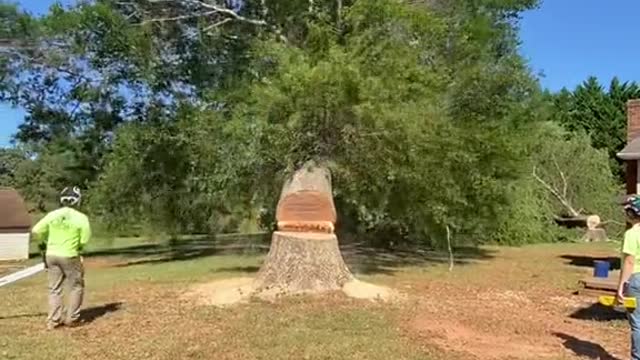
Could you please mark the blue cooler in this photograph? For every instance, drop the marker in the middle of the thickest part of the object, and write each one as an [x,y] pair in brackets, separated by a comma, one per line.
[601,269]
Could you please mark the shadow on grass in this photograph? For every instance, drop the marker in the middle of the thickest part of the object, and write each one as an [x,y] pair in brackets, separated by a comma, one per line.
[369,261]
[588,261]
[188,248]
[598,312]
[585,348]
[23,316]
[87,315]
[239,269]
[91,314]
[361,257]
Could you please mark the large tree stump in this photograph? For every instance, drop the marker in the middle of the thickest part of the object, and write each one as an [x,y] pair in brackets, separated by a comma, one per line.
[304,257]
[300,263]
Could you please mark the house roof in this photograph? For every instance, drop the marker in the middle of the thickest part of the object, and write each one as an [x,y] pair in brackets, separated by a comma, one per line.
[13,210]
[631,151]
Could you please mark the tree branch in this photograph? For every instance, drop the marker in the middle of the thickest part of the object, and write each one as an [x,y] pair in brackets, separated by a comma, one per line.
[229,12]
[215,25]
[612,222]
[213,9]
[178,18]
[564,179]
[563,200]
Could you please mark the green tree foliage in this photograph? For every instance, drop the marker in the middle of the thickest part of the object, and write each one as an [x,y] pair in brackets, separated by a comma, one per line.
[187,115]
[39,173]
[10,161]
[376,104]
[567,171]
[599,112]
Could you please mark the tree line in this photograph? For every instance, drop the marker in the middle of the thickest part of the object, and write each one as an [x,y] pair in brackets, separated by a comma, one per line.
[187,115]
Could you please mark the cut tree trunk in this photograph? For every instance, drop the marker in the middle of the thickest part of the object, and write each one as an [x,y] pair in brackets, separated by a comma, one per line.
[306,202]
[572,222]
[591,222]
[300,263]
[304,257]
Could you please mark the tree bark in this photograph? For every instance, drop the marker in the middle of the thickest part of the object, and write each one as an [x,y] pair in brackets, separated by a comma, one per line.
[300,263]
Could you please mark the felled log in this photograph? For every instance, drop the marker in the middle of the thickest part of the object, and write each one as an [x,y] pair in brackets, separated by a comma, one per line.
[590,222]
[571,222]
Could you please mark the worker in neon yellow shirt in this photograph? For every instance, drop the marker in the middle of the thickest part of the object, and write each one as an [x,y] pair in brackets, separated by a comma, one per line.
[629,283]
[64,233]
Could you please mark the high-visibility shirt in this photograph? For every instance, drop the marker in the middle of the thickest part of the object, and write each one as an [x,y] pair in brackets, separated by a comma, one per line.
[65,231]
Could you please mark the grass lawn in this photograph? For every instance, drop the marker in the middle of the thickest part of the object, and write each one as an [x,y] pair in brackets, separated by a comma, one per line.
[502,303]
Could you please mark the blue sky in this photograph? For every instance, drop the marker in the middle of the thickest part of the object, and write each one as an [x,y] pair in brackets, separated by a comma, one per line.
[565,40]
[570,40]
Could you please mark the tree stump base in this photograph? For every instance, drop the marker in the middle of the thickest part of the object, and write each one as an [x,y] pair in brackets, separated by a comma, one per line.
[302,263]
[298,263]
[596,235]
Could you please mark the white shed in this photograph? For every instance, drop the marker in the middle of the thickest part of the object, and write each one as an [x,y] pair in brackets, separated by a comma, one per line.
[15,226]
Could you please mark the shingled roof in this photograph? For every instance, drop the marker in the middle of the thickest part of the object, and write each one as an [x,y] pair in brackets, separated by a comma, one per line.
[631,151]
[13,212]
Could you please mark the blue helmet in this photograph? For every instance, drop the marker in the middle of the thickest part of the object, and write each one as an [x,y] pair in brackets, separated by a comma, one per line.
[632,204]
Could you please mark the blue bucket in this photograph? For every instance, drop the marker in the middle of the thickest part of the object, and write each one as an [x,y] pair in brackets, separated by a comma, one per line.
[601,269]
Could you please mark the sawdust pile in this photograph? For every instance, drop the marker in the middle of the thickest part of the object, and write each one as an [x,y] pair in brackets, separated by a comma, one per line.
[223,293]
[361,290]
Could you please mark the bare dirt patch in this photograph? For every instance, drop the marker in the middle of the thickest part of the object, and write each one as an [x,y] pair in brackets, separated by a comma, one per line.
[503,311]
[488,327]
[451,335]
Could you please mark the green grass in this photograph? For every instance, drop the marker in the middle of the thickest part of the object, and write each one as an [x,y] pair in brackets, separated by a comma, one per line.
[309,331]
[294,329]
[155,324]
[143,281]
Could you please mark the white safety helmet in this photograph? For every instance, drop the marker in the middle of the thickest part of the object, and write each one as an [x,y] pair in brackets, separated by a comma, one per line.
[70,196]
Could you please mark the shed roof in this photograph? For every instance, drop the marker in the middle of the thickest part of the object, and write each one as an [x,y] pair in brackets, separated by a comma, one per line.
[13,210]
[631,151]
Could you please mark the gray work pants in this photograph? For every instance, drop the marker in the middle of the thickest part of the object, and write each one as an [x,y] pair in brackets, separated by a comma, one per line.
[70,272]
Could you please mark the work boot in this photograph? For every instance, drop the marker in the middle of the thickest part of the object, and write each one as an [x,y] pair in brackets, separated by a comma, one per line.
[52,326]
[72,323]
